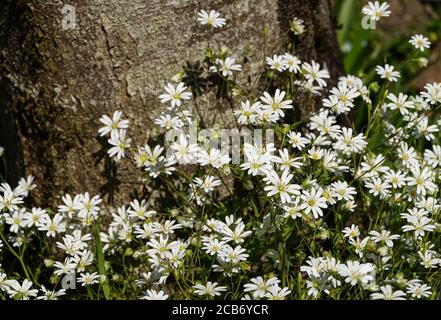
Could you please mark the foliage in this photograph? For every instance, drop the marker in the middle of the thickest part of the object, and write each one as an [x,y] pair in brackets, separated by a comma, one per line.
[334,208]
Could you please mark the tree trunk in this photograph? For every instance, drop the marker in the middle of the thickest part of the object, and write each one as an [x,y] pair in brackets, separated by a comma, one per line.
[57,79]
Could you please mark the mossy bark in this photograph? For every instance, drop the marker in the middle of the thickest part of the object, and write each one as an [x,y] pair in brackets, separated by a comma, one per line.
[56,83]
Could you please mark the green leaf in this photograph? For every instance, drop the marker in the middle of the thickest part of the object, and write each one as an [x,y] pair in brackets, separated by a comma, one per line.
[256,211]
[101,262]
[345,18]
[287,231]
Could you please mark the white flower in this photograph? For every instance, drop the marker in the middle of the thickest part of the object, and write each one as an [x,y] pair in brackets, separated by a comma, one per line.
[429,204]
[387,293]
[185,152]
[286,161]
[213,246]
[87,279]
[378,187]
[385,236]
[401,103]
[120,143]
[88,207]
[213,157]
[292,63]
[146,232]
[17,220]
[387,72]
[168,122]
[161,246]
[211,289]
[259,287]
[154,295]
[281,185]
[342,191]
[237,235]
[313,201]
[423,130]
[52,226]
[70,206]
[419,225]
[313,73]
[226,66]
[343,97]
[418,290]
[293,209]
[248,112]
[255,163]
[420,42]
[70,245]
[433,157]
[175,94]
[113,125]
[148,157]
[207,184]
[34,217]
[396,178]
[139,210]
[276,63]
[308,87]
[297,26]
[351,232]
[21,291]
[325,124]
[332,162]
[422,180]
[296,140]
[408,156]
[359,245]
[50,294]
[376,11]
[83,259]
[429,259]
[277,293]
[266,115]
[212,18]
[233,255]
[348,143]
[315,153]
[9,200]
[26,185]
[420,103]
[432,93]
[168,227]
[4,282]
[354,272]
[66,267]
[276,104]
[414,213]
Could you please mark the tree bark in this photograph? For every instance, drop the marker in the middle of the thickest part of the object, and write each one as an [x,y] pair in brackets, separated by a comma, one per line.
[56,83]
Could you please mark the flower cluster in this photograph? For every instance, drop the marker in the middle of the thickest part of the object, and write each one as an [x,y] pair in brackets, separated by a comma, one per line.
[330,209]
